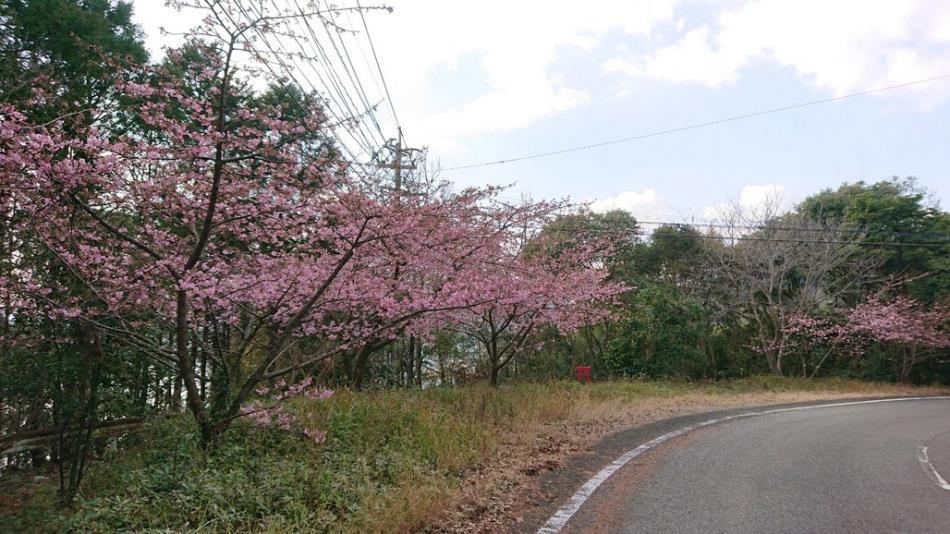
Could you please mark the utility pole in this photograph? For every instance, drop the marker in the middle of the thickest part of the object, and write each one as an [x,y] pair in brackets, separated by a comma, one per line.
[397,164]
[410,371]
[398,161]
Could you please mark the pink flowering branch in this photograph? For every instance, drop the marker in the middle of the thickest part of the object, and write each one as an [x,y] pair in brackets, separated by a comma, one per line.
[273,413]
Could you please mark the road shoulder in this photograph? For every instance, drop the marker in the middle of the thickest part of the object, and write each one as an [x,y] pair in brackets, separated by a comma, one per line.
[557,486]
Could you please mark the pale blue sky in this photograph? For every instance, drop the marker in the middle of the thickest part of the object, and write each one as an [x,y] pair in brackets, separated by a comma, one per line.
[479,81]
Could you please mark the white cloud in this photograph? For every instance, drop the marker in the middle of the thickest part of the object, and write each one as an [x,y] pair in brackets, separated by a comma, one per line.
[689,59]
[515,46]
[154,16]
[842,46]
[754,195]
[502,56]
[754,199]
[643,204]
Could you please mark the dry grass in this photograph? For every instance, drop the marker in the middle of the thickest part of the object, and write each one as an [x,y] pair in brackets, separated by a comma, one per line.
[555,422]
[439,460]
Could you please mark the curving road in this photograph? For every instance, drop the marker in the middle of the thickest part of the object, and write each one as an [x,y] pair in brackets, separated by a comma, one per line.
[842,469]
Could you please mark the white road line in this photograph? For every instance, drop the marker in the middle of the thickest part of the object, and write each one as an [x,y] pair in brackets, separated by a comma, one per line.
[560,518]
[930,469]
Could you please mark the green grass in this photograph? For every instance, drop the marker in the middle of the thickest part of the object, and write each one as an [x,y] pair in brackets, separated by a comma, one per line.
[392,461]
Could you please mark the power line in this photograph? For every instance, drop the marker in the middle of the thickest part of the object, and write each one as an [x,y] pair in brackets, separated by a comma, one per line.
[345,102]
[345,61]
[701,222]
[354,77]
[382,77]
[658,219]
[369,68]
[622,232]
[765,226]
[288,72]
[336,81]
[342,118]
[692,126]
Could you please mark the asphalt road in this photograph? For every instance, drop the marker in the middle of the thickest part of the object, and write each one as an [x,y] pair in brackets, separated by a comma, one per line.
[847,469]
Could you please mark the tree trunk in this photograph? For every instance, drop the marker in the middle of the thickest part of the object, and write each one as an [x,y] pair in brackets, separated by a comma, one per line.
[204,367]
[775,365]
[75,433]
[907,364]
[175,401]
[442,371]
[361,359]
[186,371]
[494,359]
[409,357]
[400,366]
[493,376]
[418,358]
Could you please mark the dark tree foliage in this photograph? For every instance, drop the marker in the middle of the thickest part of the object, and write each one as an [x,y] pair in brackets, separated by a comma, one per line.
[684,315]
[64,56]
[616,229]
[689,313]
[672,255]
[895,211]
[70,49]
[660,336]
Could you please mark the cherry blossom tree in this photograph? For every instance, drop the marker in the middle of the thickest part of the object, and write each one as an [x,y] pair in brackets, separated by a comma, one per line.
[239,231]
[911,332]
[564,290]
[789,267]
[221,210]
[226,224]
[829,334]
[198,221]
[438,272]
[908,330]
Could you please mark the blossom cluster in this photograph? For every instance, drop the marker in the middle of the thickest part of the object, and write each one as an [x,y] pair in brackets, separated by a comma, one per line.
[903,320]
[270,411]
[882,317]
[220,210]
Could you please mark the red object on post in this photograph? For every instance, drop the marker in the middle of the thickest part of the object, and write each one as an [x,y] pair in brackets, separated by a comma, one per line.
[582,373]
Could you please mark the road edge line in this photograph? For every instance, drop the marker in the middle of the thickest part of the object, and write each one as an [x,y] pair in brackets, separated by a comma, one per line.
[930,469]
[559,519]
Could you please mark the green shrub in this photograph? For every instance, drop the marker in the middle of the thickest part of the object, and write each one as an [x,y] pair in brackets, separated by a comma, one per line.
[392,460]
[660,336]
